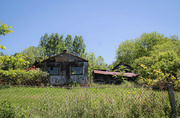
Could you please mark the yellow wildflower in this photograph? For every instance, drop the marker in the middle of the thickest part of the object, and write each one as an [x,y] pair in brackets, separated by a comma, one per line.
[134,92]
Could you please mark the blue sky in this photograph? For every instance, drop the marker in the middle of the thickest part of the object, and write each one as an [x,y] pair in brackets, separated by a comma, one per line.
[104,24]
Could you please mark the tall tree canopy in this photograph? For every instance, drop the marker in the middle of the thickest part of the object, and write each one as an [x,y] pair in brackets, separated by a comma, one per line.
[52,44]
[79,46]
[153,50]
[69,43]
[55,44]
[145,45]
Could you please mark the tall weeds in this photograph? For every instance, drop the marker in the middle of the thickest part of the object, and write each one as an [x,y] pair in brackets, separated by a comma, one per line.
[89,102]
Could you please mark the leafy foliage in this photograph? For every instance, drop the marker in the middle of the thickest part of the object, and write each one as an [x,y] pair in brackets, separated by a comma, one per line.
[74,84]
[95,63]
[20,77]
[120,77]
[13,62]
[69,43]
[4,29]
[32,54]
[52,44]
[144,46]
[55,44]
[153,50]
[166,61]
[79,46]
[158,78]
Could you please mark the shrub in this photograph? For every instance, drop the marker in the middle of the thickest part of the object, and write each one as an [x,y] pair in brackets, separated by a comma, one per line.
[74,84]
[20,77]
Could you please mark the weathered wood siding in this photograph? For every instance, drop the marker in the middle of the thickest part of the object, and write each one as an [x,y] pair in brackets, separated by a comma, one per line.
[60,69]
[103,79]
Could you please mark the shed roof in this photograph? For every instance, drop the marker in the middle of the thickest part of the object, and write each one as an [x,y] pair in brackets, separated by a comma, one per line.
[66,53]
[101,72]
[122,64]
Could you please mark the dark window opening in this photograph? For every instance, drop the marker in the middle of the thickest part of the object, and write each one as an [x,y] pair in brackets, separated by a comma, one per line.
[55,71]
[76,70]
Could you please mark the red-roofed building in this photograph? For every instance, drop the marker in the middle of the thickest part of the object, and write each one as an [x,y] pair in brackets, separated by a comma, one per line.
[106,77]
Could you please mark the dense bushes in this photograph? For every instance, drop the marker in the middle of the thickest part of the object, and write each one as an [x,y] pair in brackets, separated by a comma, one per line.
[20,77]
[158,78]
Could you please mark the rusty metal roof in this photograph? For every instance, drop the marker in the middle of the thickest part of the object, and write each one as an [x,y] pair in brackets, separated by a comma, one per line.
[32,68]
[66,53]
[127,74]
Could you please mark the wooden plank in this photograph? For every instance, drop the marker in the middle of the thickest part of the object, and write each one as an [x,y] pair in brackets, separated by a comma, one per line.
[172,99]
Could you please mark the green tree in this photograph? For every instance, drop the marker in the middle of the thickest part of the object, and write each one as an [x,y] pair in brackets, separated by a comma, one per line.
[52,44]
[32,54]
[69,43]
[170,45]
[100,63]
[1,54]
[126,52]
[95,63]
[58,43]
[43,43]
[55,44]
[146,45]
[79,46]
[13,62]
[91,57]
[4,29]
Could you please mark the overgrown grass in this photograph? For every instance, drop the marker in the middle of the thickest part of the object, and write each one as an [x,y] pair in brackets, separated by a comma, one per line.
[97,102]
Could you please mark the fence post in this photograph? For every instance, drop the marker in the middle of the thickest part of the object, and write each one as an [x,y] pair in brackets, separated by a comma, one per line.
[172,99]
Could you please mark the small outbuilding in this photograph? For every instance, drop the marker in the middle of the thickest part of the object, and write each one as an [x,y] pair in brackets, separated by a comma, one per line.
[65,68]
[107,77]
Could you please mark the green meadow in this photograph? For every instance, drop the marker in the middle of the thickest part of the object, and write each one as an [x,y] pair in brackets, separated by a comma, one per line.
[97,102]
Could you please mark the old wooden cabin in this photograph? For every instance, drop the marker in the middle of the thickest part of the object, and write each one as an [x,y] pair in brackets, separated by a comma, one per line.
[65,68]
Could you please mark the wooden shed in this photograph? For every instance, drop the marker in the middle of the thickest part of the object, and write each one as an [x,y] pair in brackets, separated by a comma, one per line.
[106,77]
[65,68]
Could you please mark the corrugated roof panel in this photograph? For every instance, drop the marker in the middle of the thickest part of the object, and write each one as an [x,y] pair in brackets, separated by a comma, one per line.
[114,73]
